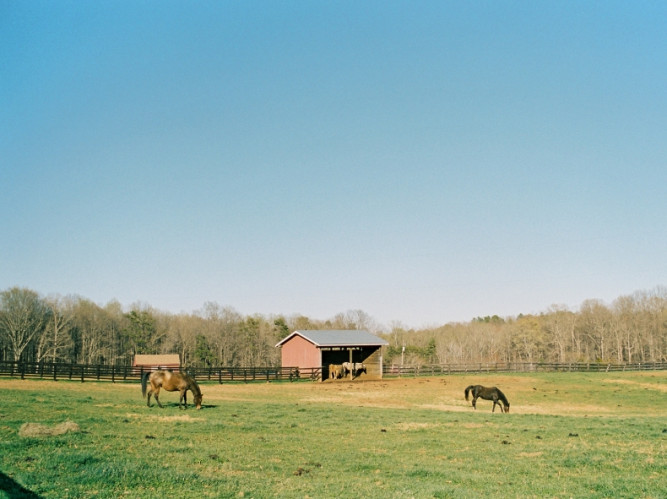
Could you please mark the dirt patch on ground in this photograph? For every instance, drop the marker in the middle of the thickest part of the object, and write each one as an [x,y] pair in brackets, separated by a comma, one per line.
[557,394]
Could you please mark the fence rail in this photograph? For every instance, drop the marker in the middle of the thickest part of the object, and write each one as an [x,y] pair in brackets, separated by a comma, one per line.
[518,367]
[83,372]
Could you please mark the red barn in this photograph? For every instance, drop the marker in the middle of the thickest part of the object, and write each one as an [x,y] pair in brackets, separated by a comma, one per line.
[307,349]
[155,362]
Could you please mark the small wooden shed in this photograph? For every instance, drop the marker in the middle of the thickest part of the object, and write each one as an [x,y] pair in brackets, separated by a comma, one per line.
[307,349]
[155,362]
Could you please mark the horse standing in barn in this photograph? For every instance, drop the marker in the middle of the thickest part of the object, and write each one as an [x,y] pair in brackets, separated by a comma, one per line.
[171,382]
[479,391]
[354,368]
[336,371]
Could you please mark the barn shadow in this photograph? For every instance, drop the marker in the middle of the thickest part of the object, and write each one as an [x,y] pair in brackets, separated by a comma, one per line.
[14,489]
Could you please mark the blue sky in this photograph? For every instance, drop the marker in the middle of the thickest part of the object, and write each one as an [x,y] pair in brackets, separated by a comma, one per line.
[425,162]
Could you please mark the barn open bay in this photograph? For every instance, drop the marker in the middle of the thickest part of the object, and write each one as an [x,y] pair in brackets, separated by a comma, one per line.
[568,435]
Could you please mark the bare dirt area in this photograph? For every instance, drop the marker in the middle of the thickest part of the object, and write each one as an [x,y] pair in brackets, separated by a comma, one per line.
[539,394]
[543,393]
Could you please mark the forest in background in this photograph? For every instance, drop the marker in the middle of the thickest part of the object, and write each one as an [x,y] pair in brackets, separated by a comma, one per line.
[72,329]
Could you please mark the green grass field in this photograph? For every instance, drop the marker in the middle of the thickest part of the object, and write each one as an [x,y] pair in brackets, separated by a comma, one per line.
[568,435]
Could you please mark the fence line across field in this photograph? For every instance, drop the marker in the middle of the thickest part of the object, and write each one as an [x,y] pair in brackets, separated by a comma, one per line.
[83,372]
[518,367]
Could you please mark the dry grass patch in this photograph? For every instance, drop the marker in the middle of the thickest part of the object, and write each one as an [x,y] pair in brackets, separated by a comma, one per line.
[646,386]
[184,418]
[415,426]
[180,418]
[42,430]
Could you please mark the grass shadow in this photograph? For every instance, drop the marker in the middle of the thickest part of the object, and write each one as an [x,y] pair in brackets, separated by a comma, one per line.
[15,489]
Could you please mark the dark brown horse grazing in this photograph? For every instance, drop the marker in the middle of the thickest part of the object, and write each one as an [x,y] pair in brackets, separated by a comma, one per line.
[479,391]
[171,382]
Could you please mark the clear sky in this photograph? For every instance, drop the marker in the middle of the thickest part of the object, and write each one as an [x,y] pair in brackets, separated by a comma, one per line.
[425,162]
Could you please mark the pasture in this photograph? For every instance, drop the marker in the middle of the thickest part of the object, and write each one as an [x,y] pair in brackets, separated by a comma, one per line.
[568,435]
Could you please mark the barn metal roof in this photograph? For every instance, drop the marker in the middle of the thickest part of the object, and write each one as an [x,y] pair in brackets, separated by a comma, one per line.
[337,338]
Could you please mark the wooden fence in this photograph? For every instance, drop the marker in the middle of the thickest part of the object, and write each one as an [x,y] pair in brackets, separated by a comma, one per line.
[83,372]
[518,367]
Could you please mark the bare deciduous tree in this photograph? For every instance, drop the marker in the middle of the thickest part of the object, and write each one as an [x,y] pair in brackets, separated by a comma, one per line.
[23,315]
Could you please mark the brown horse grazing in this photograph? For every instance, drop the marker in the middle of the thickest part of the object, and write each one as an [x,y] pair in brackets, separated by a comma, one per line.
[479,391]
[171,382]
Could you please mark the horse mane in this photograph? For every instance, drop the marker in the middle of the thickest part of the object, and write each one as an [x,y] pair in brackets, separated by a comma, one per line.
[502,397]
[192,384]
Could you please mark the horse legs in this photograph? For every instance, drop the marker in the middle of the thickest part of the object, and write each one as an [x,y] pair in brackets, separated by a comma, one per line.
[155,394]
[496,401]
[474,402]
[183,398]
[148,398]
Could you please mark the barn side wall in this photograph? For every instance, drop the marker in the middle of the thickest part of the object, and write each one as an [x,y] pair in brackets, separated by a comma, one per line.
[299,352]
[373,362]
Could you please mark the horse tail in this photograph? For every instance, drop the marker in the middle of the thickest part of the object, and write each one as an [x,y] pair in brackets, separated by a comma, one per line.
[468,390]
[144,383]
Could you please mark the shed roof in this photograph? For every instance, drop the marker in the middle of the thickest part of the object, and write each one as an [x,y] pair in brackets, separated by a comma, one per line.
[337,338]
[157,360]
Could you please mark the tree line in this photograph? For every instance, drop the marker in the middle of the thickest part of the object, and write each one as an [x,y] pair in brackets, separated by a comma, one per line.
[72,329]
